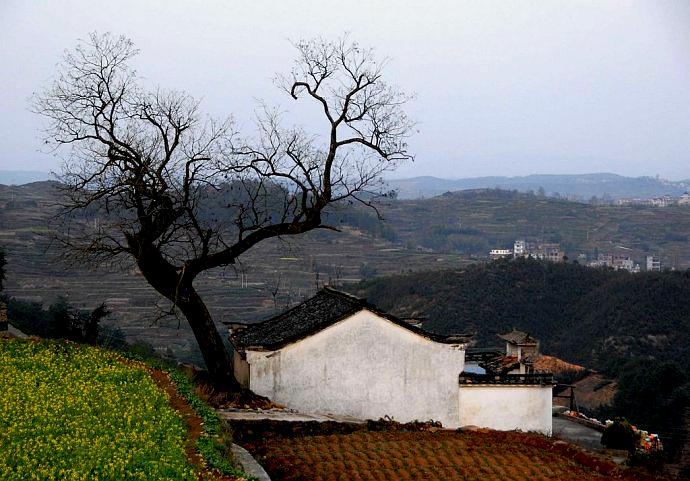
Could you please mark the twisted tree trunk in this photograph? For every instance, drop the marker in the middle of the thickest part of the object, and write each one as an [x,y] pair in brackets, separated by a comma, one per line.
[178,288]
[216,356]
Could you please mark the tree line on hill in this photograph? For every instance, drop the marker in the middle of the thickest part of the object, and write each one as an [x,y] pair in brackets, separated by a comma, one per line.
[633,327]
[63,320]
[579,186]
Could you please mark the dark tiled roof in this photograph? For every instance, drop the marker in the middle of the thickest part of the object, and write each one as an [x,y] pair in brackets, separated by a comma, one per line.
[518,337]
[540,379]
[530,359]
[475,354]
[327,307]
[500,364]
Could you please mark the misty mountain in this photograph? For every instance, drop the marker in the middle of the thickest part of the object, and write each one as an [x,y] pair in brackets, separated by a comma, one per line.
[21,177]
[582,185]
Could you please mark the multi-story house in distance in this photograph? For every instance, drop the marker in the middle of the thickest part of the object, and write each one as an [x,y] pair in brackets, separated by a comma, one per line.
[653,263]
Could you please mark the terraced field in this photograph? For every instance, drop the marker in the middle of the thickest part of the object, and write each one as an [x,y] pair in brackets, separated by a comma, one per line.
[474,222]
[244,293]
[441,233]
[432,456]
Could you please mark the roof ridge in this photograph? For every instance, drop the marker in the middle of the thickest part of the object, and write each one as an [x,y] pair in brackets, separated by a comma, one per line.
[344,294]
[325,308]
[329,289]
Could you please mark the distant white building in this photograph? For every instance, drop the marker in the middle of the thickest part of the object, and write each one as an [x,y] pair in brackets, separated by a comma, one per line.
[500,253]
[549,252]
[653,263]
[519,248]
[616,261]
[544,251]
[663,201]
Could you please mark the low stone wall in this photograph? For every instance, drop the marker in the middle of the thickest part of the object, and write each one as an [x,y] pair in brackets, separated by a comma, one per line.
[247,432]
[584,422]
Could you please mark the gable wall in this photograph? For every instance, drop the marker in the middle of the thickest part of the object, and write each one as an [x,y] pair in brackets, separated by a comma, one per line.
[366,367]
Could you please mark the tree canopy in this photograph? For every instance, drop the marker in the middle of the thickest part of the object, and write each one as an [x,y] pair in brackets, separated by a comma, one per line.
[149,163]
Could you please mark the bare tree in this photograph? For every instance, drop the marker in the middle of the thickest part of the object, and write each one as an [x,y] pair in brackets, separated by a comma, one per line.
[180,194]
[274,284]
[335,274]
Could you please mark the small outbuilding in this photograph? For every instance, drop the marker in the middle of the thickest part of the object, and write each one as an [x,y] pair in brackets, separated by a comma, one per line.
[337,354]
[502,390]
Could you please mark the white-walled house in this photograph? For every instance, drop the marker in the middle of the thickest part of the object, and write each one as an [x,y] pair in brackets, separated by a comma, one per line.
[338,354]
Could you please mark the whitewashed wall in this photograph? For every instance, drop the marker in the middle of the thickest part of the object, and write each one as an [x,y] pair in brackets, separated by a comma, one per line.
[364,366]
[506,407]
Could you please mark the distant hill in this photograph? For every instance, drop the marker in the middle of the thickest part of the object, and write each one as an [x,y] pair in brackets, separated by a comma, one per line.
[448,231]
[21,177]
[581,185]
[612,312]
[292,268]
[472,222]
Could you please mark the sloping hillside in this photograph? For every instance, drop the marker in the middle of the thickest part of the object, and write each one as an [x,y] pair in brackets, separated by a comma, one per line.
[634,328]
[433,234]
[289,268]
[473,222]
[76,412]
[580,314]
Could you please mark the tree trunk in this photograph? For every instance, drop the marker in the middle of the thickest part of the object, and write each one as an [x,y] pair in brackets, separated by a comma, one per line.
[213,349]
[163,277]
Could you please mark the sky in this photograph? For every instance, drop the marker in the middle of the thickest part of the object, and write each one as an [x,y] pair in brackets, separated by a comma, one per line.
[502,87]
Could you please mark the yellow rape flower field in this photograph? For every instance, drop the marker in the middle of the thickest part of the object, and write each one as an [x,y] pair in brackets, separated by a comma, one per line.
[74,412]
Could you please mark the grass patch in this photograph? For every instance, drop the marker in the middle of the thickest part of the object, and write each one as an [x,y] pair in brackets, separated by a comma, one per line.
[214,444]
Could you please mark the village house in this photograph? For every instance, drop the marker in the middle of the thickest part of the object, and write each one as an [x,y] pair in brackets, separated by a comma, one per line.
[653,263]
[502,390]
[543,251]
[337,354]
[616,261]
[500,254]
[523,349]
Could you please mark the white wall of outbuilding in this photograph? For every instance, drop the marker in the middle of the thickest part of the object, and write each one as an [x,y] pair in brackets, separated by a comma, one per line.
[507,407]
[364,366]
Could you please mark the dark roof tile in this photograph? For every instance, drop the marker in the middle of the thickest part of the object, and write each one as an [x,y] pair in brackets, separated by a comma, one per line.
[327,307]
[518,337]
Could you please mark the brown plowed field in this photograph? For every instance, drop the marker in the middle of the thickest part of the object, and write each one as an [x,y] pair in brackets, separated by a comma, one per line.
[429,456]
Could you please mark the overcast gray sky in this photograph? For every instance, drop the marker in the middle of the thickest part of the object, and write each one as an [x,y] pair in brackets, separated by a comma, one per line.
[503,88]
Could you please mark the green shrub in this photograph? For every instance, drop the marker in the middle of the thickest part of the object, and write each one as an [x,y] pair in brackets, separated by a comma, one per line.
[619,435]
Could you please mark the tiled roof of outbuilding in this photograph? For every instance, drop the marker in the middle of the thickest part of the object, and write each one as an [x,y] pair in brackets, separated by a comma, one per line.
[327,307]
[518,337]
[500,364]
